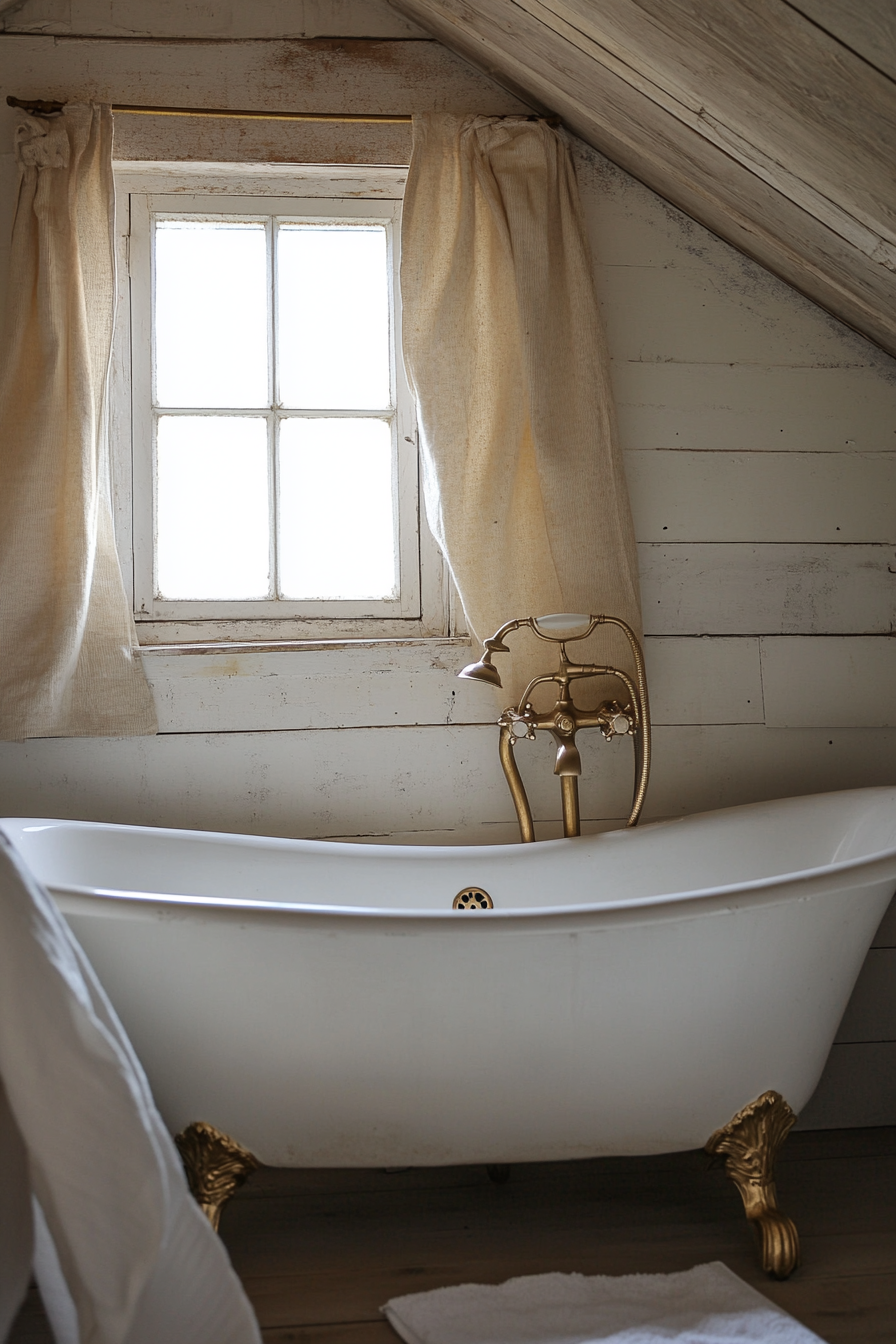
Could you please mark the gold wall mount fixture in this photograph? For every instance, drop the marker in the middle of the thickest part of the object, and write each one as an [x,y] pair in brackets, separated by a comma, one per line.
[216,1166]
[748,1146]
[628,716]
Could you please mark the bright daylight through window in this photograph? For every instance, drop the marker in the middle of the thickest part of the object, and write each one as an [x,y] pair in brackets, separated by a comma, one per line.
[288,420]
[274,471]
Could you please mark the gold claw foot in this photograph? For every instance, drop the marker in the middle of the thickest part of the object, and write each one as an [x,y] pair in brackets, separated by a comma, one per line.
[748,1145]
[216,1166]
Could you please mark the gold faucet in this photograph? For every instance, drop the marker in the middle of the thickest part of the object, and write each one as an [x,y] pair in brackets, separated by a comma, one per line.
[629,717]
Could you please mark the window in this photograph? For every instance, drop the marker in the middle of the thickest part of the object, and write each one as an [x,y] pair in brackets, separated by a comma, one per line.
[268,487]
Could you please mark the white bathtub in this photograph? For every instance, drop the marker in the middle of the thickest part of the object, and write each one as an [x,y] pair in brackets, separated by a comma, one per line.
[630,992]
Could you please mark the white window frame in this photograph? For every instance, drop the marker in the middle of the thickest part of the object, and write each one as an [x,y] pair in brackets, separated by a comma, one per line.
[424,608]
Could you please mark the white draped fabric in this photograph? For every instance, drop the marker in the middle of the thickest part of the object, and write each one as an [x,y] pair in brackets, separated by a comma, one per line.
[122,1253]
[70,664]
[524,483]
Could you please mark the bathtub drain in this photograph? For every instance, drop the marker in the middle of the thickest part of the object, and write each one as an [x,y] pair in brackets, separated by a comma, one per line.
[473,898]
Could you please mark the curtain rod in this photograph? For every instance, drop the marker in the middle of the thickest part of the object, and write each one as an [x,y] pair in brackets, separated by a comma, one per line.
[43,107]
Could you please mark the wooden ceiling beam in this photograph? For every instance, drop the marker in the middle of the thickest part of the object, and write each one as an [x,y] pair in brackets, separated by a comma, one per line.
[747,115]
[867,28]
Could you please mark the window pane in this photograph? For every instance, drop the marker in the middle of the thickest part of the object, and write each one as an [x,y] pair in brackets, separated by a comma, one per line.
[337,534]
[212,507]
[211,313]
[333,316]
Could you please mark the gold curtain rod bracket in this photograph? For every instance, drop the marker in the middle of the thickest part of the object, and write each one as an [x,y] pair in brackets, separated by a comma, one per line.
[37,107]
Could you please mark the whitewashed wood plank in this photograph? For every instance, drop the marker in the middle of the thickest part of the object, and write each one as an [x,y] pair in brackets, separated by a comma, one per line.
[312,180]
[701,768]
[692,588]
[355,76]
[315,783]
[734,75]
[317,76]
[690,681]
[731,313]
[871,1012]
[368,686]
[602,106]
[747,407]
[376,781]
[199,18]
[829,682]
[348,18]
[700,496]
[49,17]
[868,29]
[704,680]
[857,1088]
[154,138]
[630,226]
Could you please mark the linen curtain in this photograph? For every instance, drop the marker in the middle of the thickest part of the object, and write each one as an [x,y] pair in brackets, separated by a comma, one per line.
[523,479]
[70,663]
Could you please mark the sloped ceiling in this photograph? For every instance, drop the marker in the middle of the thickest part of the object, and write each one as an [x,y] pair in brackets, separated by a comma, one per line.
[772,122]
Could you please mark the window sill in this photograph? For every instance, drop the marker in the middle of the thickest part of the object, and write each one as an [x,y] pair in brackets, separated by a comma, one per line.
[230,647]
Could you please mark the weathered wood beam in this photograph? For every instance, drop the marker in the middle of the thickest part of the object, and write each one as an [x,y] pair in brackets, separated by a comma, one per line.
[763,85]
[868,28]
[748,116]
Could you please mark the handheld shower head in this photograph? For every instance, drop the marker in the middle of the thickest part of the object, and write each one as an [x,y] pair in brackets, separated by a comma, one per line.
[484,670]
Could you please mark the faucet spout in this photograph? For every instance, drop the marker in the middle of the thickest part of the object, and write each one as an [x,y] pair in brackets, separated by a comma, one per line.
[568,762]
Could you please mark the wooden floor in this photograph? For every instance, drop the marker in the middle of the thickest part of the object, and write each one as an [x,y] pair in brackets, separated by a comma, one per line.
[320,1251]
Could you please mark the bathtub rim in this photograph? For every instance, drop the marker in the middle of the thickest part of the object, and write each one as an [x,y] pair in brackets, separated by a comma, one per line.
[775,891]
[876,866]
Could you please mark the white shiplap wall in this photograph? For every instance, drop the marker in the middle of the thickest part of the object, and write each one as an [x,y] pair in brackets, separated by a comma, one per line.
[760,440]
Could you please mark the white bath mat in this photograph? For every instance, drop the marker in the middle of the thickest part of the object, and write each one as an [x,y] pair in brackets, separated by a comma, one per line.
[704,1305]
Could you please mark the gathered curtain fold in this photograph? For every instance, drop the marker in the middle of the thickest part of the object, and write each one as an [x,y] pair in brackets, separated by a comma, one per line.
[523,479]
[69,658]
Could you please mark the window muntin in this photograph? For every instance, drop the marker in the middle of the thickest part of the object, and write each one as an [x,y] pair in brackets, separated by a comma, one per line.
[326,477]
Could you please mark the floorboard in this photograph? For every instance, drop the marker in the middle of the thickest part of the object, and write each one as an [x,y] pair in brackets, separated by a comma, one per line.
[320,1251]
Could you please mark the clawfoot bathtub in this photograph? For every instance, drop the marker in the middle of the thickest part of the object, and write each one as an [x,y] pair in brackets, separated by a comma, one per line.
[628,993]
